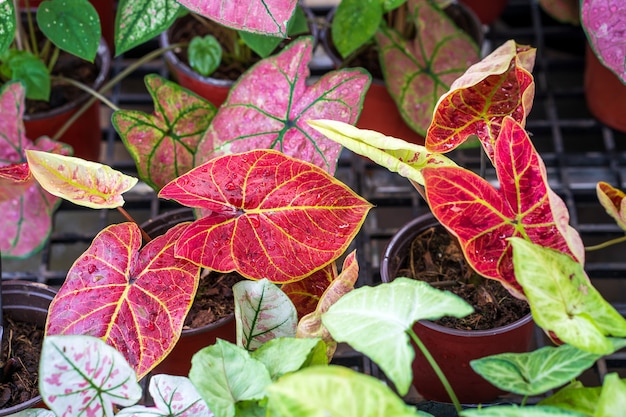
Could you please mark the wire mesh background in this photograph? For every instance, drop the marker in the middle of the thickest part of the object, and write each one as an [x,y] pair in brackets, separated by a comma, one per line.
[578,152]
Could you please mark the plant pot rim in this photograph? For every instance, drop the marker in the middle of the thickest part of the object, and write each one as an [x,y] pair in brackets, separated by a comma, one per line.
[399,239]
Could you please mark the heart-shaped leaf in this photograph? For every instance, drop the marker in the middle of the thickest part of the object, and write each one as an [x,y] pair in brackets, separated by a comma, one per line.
[139,21]
[124,295]
[418,71]
[81,375]
[72,25]
[7,25]
[397,155]
[374,321]
[173,396]
[500,85]
[564,302]
[604,22]
[517,411]
[354,24]
[306,293]
[205,54]
[482,217]
[273,113]
[268,215]
[225,375]
[163,144]
[258,16]
[287,354]
[612,199]
[263,312]
[25,67]
[82,182]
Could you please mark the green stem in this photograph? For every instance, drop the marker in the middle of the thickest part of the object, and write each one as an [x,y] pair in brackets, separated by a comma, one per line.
[606,244]
[437,369]
[53,58]
[106,87]
[89,90]
[524,401]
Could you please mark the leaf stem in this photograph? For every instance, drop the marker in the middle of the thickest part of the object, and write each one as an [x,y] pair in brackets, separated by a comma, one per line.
[605,244]
[86,88]
[437,369]
[128,217]
[524,401]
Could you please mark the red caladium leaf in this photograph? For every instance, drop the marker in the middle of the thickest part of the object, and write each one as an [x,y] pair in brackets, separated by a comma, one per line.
[268,215]
[418,71]
[163,144]
[482,218]
[269,17]
[271,103]
[604,22]
[306,293]
[500,85]
[612,199]
[136,300]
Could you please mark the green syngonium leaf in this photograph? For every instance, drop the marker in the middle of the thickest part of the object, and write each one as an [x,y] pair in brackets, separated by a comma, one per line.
[613,397]
[576,397]
[517,411]
[374,321]
[563,301]
[288,354]
[7,25]
[334,391]
[539,371]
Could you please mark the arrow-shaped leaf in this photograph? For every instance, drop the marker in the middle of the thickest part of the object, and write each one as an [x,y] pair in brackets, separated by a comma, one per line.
[418,71]
[125,295]
[374,321]
[268,215]
[83,376]
[273,114]
[500,85]
[82,182]
[482,218]
[163,144]
[612,199]
[259,16]
[263,312]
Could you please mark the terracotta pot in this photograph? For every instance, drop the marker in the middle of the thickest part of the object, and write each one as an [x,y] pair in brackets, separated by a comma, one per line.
[27,302]
[604,92]
[84,134]
[453,349]
[487,11]
[178,362]
[214,90]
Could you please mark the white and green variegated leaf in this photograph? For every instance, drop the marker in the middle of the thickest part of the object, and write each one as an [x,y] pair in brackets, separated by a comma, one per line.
[374,321]
[286,354]
[562,299]
[262,312]
[397,155]
[517,411]
[34,412]
[334,391]
[225,376]
[7,25]
[539,371]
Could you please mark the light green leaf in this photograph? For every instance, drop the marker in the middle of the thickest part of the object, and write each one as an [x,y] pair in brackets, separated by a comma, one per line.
[27,68]
[225,374]
[72,25]
[562,299]
[397,155]
[613,397]
[516,411]
[205,54]
[7,25]
[82,182]
[354,24]
[575,397]
[263,312]
[286,354]
[322,391]
[374,321]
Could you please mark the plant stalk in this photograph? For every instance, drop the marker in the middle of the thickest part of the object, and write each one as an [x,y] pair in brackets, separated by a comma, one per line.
[87,89]
[128,217]
[605,244]
[437,369]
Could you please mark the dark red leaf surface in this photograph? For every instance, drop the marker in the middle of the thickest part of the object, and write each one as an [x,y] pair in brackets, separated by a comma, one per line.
[306,293]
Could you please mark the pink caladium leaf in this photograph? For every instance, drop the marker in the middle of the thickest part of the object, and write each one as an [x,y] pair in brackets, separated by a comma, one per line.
[82,375]
[124,295]
[268,17]
[14,179]
[604,22]
[306,293]
[163,144]
[263,312]
[500,85]
[613,200]
[267,215]
[272,113]
[418,71]
[483,218]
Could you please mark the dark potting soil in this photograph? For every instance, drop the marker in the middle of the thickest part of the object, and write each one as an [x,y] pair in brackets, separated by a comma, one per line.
[214,299]
[19,364]
[437,258]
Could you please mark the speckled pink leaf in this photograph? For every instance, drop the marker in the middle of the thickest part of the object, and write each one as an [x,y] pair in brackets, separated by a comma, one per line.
[500,85]
[604,22]
[418,71]
[263,312]
[136,300]
[259,16]
[306,293]
[614,201]
[83,376]
[163,144]
[267,215]
[271,104]
[483,217]
[14,179]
